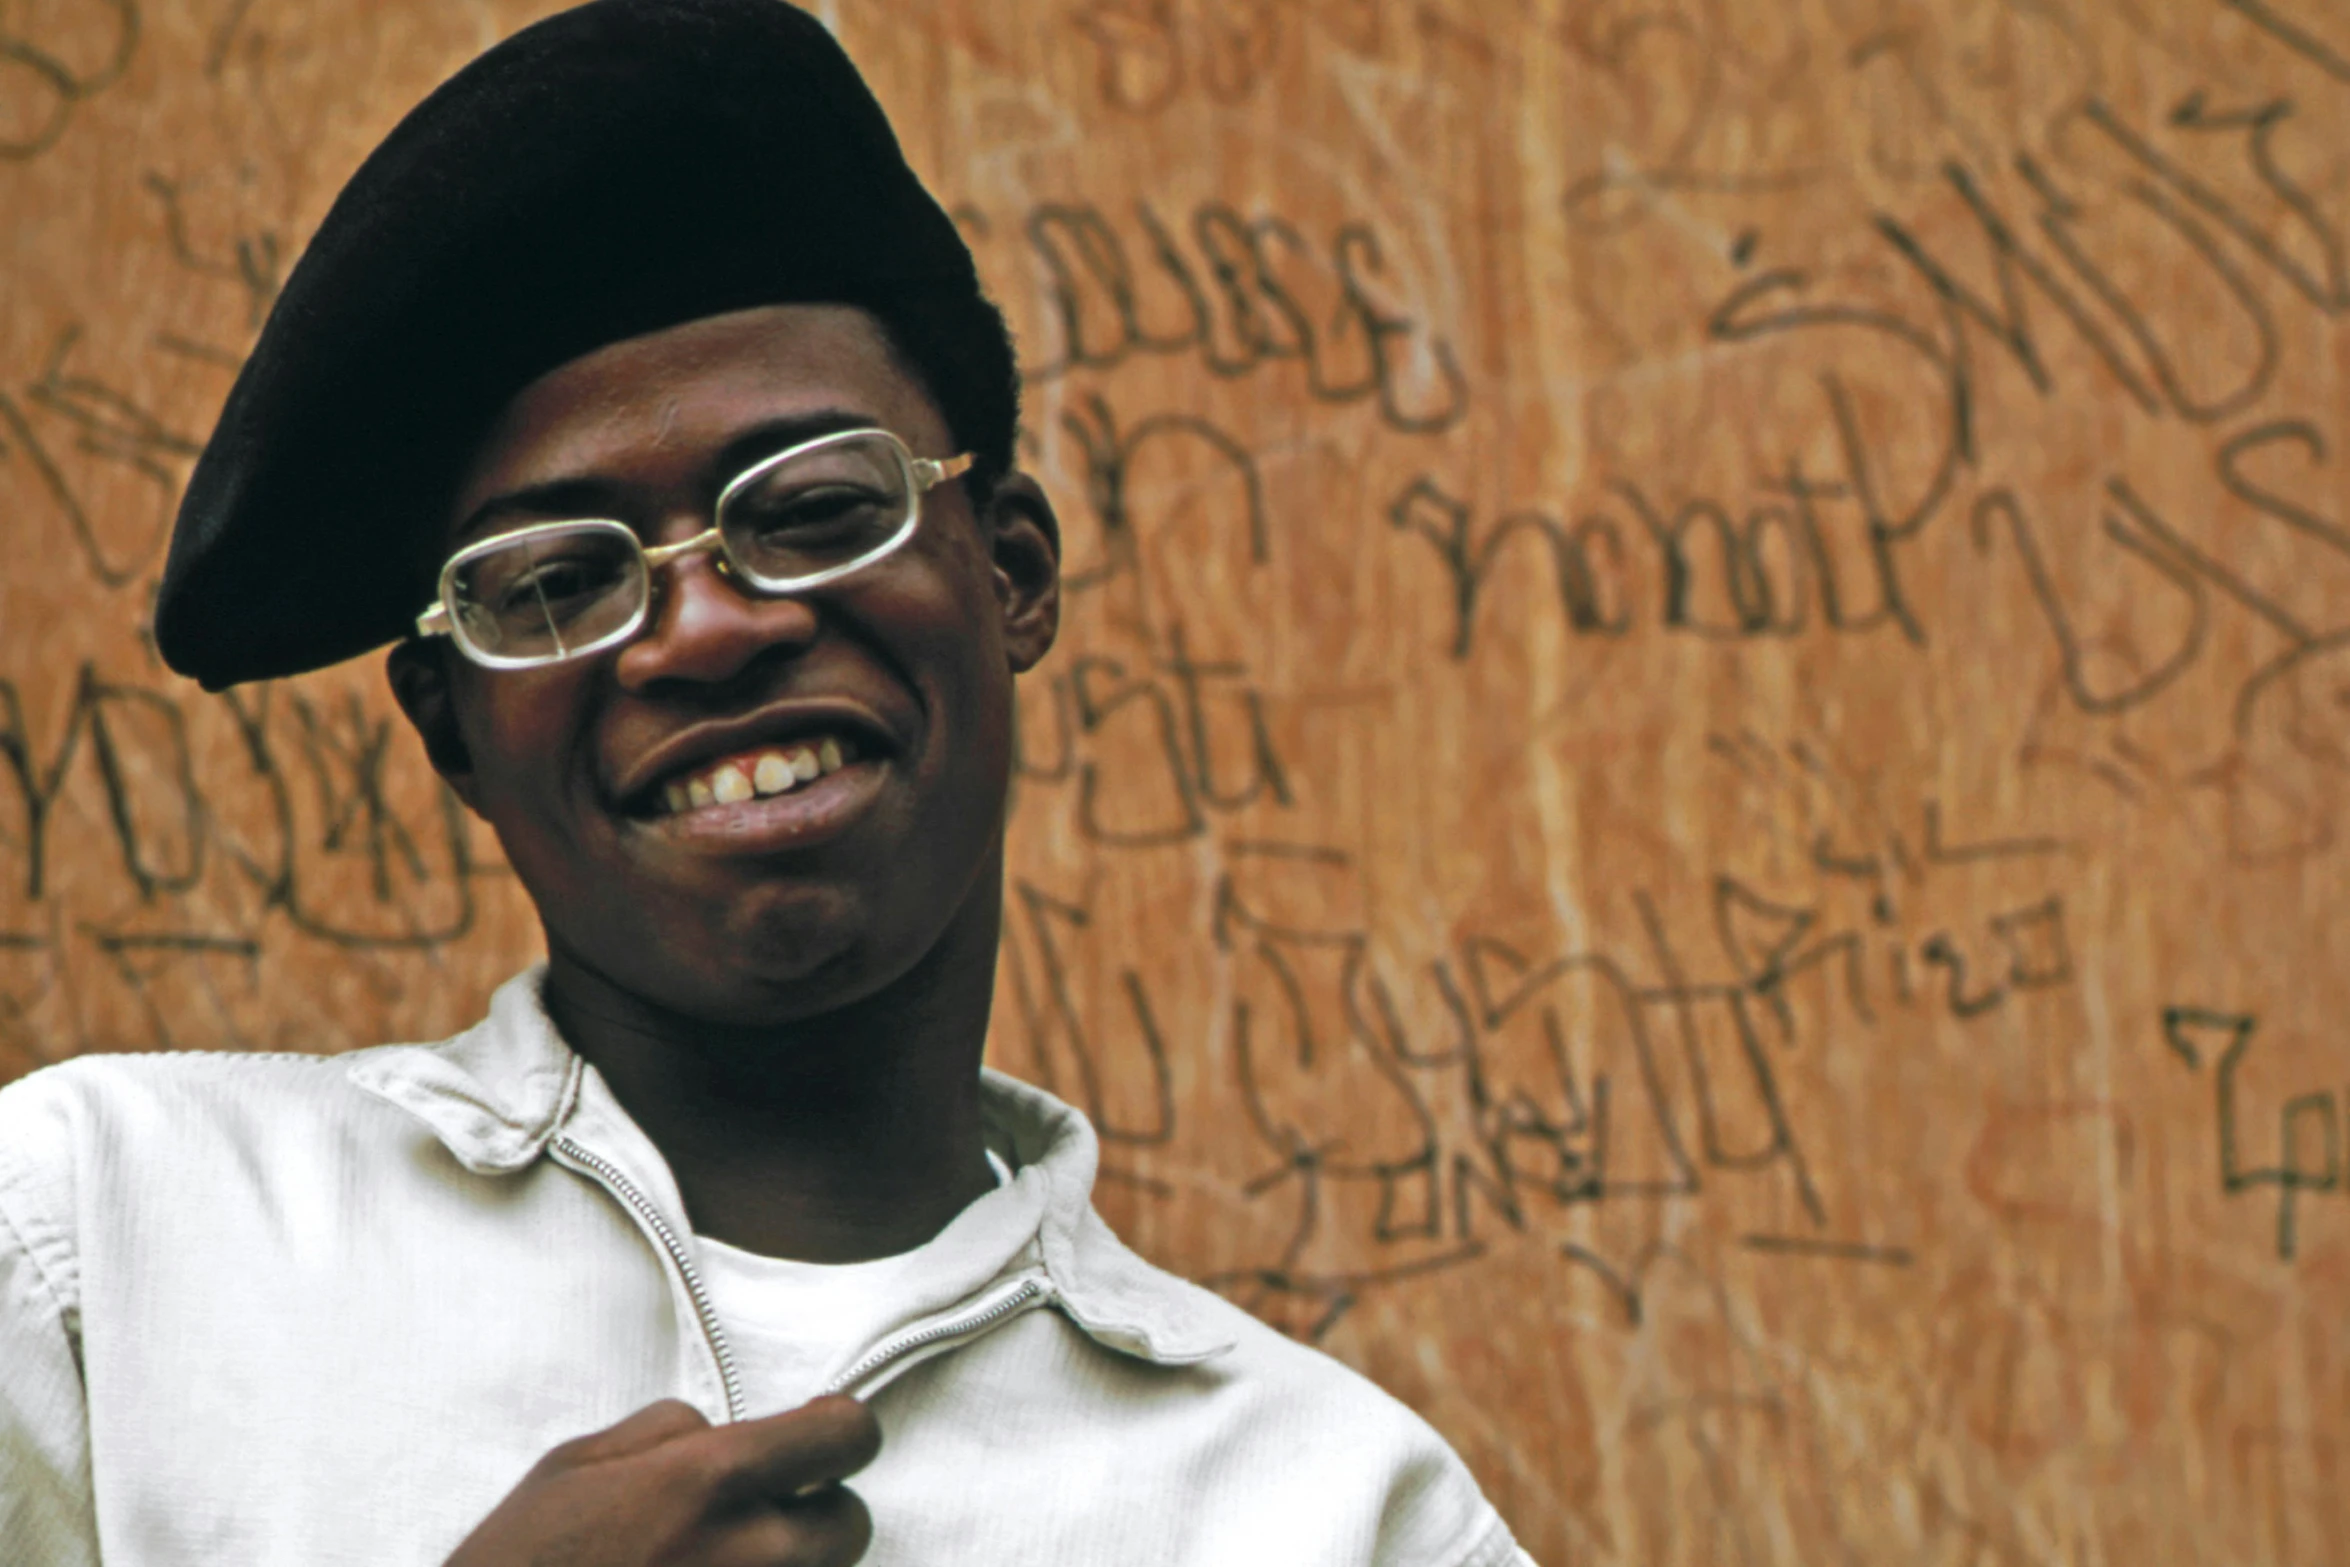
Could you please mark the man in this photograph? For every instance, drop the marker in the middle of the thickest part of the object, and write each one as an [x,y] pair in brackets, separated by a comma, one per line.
[639,383]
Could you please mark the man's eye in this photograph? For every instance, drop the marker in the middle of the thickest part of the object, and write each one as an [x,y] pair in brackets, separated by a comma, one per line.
[813,514]
[558,584]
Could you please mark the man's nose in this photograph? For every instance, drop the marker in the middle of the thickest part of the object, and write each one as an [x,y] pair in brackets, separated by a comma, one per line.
[705,627]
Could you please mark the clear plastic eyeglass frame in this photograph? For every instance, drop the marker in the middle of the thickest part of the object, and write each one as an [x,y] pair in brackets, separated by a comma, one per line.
[923,474]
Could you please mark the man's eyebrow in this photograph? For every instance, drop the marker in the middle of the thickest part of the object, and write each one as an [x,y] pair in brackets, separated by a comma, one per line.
[775,435]
[558,499]
[564,499]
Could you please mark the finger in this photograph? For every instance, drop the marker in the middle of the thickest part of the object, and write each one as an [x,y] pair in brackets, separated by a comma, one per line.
[828,1529]
[784,1455]
[648,1428]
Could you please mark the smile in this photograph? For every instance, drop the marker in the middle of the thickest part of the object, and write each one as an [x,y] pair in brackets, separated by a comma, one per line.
[758,773]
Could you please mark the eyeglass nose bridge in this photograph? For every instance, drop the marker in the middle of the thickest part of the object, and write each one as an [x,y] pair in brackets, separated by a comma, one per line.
[660,599]
[709,540]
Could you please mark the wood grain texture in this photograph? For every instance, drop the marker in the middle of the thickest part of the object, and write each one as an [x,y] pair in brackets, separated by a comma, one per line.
[1690,804]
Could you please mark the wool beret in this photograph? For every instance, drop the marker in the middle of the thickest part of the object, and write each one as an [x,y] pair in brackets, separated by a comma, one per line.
[612,170]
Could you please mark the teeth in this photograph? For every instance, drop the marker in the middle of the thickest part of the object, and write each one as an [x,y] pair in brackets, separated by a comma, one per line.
[760,774]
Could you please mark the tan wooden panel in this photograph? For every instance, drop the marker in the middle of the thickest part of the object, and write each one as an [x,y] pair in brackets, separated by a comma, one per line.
[1690,806]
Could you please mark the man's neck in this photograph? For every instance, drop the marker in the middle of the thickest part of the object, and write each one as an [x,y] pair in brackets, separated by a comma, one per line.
[847,1136]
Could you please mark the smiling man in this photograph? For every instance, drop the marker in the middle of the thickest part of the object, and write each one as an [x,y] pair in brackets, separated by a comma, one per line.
[638,390]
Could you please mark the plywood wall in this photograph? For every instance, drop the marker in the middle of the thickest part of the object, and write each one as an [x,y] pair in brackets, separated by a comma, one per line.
[1692,803]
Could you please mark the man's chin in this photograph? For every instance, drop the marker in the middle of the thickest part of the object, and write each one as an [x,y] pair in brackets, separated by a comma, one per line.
[779,972]
[767,967]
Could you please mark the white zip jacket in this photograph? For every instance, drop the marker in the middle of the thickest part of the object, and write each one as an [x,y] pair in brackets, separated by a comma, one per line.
[317,1310]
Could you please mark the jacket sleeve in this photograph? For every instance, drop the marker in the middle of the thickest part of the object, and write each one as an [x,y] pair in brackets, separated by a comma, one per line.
[1436,1516]
[47,1514]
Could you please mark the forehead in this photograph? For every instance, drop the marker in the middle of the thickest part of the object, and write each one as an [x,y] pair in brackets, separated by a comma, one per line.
[653,410]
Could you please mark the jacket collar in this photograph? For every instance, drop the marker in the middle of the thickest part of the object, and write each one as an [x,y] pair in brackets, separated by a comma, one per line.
[497,1094]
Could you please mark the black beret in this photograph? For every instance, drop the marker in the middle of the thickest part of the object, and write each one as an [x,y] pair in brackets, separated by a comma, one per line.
[613,170]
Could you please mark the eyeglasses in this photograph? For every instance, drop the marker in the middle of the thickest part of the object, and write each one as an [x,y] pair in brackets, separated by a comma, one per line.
[790,523]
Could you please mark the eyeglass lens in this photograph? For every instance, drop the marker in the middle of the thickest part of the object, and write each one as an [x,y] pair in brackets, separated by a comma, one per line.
[549,592]
[817,511]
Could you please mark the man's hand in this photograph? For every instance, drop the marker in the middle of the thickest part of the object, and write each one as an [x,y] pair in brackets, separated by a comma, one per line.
[665,1488]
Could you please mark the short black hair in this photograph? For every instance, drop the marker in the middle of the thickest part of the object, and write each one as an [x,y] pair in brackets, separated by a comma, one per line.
[961,349]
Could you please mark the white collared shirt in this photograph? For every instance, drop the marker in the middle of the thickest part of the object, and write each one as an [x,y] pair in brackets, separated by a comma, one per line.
[796,1327]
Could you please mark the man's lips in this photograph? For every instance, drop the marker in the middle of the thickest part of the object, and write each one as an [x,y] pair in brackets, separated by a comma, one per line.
[788,820]
[773,751]
[760,773]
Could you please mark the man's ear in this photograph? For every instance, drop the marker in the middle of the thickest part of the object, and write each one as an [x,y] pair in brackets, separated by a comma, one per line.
[1024,544]
[419,673]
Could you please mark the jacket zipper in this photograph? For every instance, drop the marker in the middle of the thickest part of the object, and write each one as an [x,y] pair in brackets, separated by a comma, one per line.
[969,1324]
[650,1217]
[977,1320]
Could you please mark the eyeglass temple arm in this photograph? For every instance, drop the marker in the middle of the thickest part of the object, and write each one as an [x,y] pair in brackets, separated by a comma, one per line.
[434,622]
[931,472]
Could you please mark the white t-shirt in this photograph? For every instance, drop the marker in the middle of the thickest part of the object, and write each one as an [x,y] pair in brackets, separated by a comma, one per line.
[795,1325]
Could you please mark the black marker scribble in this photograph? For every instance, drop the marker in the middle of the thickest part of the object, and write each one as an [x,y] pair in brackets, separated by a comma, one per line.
[107,423]
[2334,62]
[1240,294]
[63,86]
[2309,1125]
[1698,567]
[1830,1250]
[1417,1111]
